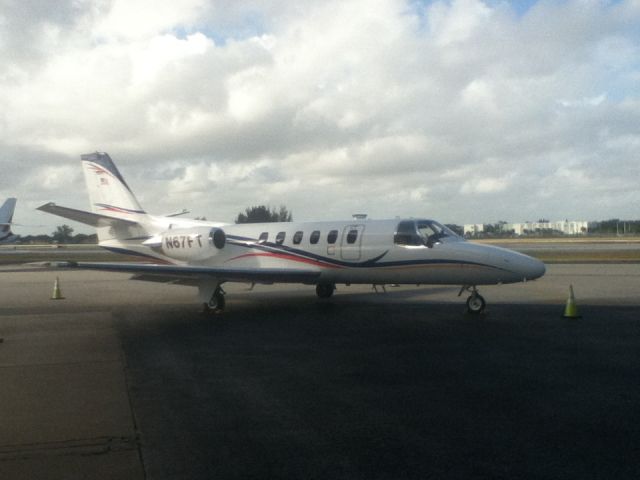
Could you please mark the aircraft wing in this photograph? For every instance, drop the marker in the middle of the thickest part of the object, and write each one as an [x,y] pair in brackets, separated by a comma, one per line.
[88,218]
[192,275]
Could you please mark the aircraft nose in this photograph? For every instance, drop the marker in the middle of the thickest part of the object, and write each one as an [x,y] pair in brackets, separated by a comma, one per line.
[533,268]
[522,267]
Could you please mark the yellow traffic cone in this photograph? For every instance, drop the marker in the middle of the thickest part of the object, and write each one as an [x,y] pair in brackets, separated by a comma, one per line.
[571,310]
[57,294]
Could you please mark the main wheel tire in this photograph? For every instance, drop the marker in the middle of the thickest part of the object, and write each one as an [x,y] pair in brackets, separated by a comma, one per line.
[475,304]
[325,290]
[216,303]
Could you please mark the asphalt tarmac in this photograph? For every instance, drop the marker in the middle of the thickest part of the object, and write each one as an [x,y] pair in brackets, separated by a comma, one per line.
[127,380]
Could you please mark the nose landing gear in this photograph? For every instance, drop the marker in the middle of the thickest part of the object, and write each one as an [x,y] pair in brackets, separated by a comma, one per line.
[475,302]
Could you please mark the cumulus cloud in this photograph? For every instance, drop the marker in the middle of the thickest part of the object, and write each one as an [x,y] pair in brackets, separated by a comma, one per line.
[126,20]
[462,110]
[484,185]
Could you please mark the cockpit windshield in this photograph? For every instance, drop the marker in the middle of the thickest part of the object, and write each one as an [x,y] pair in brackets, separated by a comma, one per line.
[423,232]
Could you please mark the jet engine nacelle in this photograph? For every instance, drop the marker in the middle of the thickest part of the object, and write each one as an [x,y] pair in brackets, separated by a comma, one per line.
[192,243]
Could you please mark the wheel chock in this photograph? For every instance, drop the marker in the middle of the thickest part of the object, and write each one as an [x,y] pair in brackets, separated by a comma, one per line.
[571,309]
[57,294]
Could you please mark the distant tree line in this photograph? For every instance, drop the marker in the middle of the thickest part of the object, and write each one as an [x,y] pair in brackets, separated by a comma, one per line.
[62,235]
[264,214]
[615,226]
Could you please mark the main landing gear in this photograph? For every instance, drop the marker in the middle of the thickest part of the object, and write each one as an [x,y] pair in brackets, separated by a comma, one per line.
[325,290]
[475,302]
[215,303]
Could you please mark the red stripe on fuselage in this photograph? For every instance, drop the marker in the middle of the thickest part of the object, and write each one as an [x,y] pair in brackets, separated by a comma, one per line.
[284,256]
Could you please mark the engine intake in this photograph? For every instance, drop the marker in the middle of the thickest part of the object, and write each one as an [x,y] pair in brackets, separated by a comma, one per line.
[218,237]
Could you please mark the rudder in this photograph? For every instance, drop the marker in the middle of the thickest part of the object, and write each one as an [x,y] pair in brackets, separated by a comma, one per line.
[108,192]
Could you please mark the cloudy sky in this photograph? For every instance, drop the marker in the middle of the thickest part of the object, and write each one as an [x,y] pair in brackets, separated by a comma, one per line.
[459,110]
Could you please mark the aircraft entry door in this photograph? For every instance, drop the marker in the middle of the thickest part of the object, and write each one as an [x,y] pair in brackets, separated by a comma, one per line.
[351,243]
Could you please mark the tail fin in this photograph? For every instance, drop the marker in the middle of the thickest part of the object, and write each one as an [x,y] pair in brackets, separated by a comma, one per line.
[108,192]
[6,217]
[117,214]
[6,211]
[119,219]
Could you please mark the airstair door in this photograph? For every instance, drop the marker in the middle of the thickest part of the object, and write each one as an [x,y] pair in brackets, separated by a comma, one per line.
[351,243]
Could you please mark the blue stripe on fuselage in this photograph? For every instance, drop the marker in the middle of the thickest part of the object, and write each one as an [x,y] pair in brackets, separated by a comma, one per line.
[371,263]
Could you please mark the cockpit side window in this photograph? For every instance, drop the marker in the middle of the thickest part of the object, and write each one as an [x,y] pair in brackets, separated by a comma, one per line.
[433,233]
[406,234]
[429,233]
[422,232]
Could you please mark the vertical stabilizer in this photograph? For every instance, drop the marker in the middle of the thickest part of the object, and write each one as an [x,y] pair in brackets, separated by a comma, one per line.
[108,192]
[6,217]
[6,211]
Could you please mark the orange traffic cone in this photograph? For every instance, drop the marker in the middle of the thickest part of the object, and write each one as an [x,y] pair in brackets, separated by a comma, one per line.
[571,310]
[57,294]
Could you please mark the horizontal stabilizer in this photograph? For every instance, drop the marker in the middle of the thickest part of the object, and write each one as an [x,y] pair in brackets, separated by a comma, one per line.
[183,212]
[88,218]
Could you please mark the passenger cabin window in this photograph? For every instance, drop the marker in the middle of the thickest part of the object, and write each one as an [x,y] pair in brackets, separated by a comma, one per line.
[297,237]
[315,236]
[263,237]
[332,237]
[352,236]
[280,238]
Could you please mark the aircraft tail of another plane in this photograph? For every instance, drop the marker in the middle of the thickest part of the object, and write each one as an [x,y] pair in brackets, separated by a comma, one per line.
[6,211]
[6,217]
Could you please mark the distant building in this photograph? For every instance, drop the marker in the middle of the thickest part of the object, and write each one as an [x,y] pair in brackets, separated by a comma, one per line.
[565,227]
[473,229]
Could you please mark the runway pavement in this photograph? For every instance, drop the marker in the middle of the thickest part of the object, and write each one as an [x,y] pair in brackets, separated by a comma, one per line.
[126,379]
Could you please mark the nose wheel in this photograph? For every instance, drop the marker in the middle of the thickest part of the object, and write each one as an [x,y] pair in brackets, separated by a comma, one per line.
[475,302]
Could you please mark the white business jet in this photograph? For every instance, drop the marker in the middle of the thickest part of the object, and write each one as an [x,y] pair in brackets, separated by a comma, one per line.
[358,251]
[6,217]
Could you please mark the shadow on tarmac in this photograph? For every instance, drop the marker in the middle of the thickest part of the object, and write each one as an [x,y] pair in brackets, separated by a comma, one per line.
[289,388]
